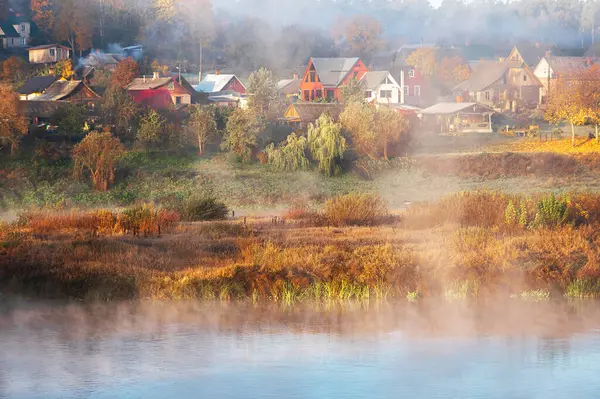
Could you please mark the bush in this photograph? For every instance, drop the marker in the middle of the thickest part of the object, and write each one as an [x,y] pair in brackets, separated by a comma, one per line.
[552,212]
[146,219]
[356,209]
[198,209]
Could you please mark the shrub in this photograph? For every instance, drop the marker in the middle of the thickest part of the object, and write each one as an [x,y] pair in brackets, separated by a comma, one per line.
[552,212]
[197,209]
[146,219]
[356,209]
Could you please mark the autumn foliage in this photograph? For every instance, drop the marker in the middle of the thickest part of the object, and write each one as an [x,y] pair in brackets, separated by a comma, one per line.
[12,124]
[126,70]
[97,154]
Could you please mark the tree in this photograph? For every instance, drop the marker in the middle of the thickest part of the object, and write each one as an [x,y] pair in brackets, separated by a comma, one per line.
[152,129]
[452,70]
[565,103]
[43,14]
[327,145]
[389,128]
[126,70]
[240,133]
[120,111]
[589,88]
[98,154]
[70,119]
[289,156]
[353,92]
[424,60]
[358,120]
[201,125]
[12,69]
[262,90]
[363,35]
[74,24]
[199,24]
[12,124]
[64,69]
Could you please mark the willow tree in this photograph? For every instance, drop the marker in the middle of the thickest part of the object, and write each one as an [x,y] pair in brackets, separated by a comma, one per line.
[327,145]
[97,154]
[289,156]
[390,126]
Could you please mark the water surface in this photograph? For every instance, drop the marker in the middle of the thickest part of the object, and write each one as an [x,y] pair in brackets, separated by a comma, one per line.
[502,350]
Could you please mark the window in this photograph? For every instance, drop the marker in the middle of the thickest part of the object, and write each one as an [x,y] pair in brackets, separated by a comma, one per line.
[406,91]
[487,96]
[368,94]
[312,76]
[23,41]
[411,73]
[524,77]
[318,94]
[22,27]
[306,95]
[417,91]
[177,100]
[355,74]
[385,94]
[52,52]
[330,94]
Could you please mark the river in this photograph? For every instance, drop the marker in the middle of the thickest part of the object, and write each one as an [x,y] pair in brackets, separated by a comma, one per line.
[499,349]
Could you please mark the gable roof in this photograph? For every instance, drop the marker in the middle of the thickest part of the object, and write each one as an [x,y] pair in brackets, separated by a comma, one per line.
[46,46]
[289,86]
[452,108]
[485,74]
[569,64]
[148,83]
[59,90]
[8,30]
[101,59]
[531,54]
[332,71]
[213,83]
[36,84]
[310,112]
[373,79]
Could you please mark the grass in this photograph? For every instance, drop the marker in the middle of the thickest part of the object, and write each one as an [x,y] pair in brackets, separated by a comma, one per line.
[469,253]
[583,145]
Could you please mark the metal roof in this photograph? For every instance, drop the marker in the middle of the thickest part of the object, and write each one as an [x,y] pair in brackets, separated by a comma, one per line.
[332,71]
[148,83]
[452,108]
[213,83]
[8,30]
[36,84]
[373,79]
[59,90]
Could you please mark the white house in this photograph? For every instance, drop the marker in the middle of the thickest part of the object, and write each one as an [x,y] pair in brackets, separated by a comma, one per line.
[550,68]
[381,87]
[48,53]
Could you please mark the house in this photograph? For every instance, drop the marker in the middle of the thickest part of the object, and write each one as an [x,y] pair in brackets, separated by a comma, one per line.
[550,68]
[39,112]
[455,118]
[73,91]
[102,61]
[417,91]
[325,77]
[501,84]
[160,92]
[218,84]
[529,54]
[23,26]
[9,36]
[35,87]
[382,88]
[48,53]
[290,88]
[299,115]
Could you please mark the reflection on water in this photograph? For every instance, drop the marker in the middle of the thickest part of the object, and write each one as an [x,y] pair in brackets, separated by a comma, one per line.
[214,350]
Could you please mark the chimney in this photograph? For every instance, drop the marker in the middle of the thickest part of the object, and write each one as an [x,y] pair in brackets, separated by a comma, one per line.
[295,75]
[155,75]
[218,72]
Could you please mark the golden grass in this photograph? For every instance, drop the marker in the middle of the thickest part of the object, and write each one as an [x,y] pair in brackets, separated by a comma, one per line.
[564,146]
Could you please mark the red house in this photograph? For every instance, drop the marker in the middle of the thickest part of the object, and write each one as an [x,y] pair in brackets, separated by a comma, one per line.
[157,92]
[324,77]
[417,90]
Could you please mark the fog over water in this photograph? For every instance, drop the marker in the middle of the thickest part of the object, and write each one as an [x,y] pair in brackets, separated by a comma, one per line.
[508,349]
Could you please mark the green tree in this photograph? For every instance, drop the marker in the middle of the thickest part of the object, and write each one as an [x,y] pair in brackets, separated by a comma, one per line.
[262,90]
[358,120]
[201,126]
[152,129]
[327,145]
[353,92]
[240,134]
[291,155]
[70,119]
[120,111]
[389,128]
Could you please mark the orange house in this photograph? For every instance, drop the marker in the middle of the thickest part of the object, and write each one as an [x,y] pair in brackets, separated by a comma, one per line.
[324,77]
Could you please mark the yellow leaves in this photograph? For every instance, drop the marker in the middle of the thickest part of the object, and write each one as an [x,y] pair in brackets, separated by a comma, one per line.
[424,60]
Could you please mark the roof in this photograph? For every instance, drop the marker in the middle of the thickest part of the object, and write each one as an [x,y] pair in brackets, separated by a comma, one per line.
[485,74]
[372,79]
[224,98]
[213,83]
[148,83]
[332,71]
[43,109]
[37,84]
[452,108]
[59,90]
[45,46]
[569,64]
[8,29]
[310,112]
[289,86]
[101,59]
[532,53]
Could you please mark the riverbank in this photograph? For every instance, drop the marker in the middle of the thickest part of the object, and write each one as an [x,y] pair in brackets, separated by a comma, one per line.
[466,245]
